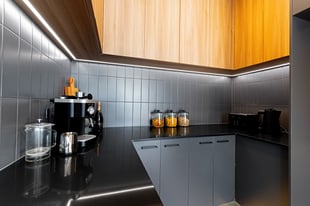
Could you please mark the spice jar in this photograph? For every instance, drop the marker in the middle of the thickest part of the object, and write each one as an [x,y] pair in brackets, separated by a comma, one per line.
[157,118]
[183,118]
[171,119]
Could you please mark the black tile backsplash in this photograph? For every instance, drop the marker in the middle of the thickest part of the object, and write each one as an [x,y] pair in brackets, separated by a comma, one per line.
[263,90]
[129,94]
[33,70]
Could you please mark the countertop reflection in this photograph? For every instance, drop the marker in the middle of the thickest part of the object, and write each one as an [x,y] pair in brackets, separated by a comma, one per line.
[108,172]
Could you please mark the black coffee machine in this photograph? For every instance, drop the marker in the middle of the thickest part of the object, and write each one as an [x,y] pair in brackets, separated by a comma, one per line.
[73,115]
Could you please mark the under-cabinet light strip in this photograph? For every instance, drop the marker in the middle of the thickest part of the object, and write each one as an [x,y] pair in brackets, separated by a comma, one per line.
[190,72]
[155,68]
[111,193]
[261,69]
[47,26]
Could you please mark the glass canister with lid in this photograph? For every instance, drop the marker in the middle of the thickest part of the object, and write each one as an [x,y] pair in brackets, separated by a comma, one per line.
[157,118]
[183,118]
[171,118]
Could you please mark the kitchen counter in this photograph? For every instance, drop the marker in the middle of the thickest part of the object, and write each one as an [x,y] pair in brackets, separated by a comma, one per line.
[145,133]
[110,172]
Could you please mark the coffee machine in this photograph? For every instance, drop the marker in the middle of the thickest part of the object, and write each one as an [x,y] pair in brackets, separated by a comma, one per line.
[74,115]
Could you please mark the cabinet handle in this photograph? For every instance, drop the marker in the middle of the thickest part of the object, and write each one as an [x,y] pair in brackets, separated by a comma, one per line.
[207,142]
[222,141]
[149,147]
[171,145]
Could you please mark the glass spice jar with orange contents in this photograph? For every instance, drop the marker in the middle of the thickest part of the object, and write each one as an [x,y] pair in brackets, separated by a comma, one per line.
[171,119]
[157,118]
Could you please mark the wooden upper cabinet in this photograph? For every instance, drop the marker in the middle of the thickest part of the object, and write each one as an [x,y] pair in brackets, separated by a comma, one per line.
[162,30]
[98,13]
[123,27]
[248,45]
[229,34]
[194,31]
[276,29]
[220,34]
[206,33]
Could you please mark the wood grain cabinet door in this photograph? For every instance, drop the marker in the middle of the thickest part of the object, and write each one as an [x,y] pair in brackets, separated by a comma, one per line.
[123,27]
[248,49]
[162,30]
[193,32]
[220,34]
[206,33]
[276,29]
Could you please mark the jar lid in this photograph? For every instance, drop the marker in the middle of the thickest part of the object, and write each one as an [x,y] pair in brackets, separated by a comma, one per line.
[170,112]
[156,111]
[183,111]
[39,124]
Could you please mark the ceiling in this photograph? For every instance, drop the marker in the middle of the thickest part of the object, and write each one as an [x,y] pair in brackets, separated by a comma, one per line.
[74,22]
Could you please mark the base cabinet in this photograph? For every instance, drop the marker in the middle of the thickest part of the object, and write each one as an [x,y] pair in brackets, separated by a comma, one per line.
[149,153]
[174,172]
[196,171]
[201,171]
[224,169]
[262,173]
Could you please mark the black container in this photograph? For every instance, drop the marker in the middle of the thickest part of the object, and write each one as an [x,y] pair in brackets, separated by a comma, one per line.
[270,121]
[243,121]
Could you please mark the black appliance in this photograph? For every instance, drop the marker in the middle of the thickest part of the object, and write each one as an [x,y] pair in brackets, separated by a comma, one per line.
[243,121]
[269,121]
[73,115]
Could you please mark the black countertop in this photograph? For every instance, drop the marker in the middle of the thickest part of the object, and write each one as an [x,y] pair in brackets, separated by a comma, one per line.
[147,133]
[109,173]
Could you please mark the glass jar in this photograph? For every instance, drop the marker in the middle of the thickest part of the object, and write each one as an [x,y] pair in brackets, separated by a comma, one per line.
[171,119]
[157,118]
[183,118]
[40,138]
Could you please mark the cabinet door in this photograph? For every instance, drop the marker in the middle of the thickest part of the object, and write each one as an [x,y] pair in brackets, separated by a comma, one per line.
[123,27]
[162,30]
[276,29]
[149,154]
[248,33]
[224,169]
[206,33]
[220,34]
[201,171]
[174,172]
[194,31]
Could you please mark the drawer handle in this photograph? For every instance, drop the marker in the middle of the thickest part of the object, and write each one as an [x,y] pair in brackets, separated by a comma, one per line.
[149,147]
[222,141]
[171,145]
[207,142]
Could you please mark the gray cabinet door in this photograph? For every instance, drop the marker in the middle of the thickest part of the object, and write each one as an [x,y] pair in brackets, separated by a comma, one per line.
[174,172]
[224,169]
[149,153]
[201,171]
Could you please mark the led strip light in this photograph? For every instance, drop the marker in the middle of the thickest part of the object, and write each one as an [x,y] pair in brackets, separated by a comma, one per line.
[48,27]
[110,193]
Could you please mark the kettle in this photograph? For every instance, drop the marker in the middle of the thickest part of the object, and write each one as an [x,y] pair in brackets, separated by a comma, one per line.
[40,138]
[269,121]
